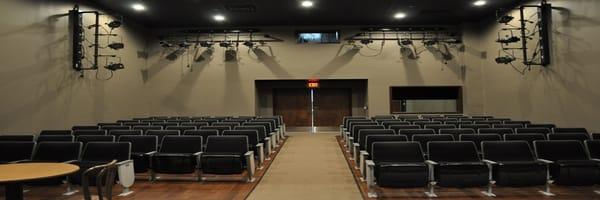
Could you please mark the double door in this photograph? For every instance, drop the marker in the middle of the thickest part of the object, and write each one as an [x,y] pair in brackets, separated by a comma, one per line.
[322,107]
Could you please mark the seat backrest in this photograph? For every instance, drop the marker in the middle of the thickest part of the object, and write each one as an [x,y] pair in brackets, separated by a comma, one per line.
[181,129]
[349,122]
[361,123]
[103,125]
[231,125]
[363,133]
[218,128]
[251,134]
[457,151]
[403,152]
[457,132]
[132,124]
[141,143]
[106,151]
[126,121]
[475,127]
[16,150]
[595,136]
[15,138]
[202,133]
[195,124]
[57,151]
[382,138]
[478,138]
[560,150]
[511,126]
[424,139]
[458,123]
[499,131]
[524,123]
[398,128]
[593,147]
[527,137]
[207,120]
[383,117]
[227,144]
[569,136]
[423,124]
[410,132]
[387,124]
[55,138]
[75,128]
[94,138]
[261,130]
[77,133]
[234,120]
[360,127]
[114,127]
[532,130]
[272,122]
[164,124]
[570,130]
[187,144]
[266,125]
[178,121]
[118,133]
[489,122]
[55,132]
[507,151]
[548,126]
[162,133]
[437,127]
[145,129]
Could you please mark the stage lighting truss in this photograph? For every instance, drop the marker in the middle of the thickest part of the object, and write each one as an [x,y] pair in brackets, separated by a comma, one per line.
[100,43]
[517,37]
[412,40]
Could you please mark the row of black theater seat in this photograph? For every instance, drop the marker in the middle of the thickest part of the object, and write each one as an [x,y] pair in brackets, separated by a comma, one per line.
[362,134]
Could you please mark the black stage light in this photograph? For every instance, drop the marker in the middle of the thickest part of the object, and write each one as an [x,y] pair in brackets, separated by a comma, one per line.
[405,42]
[505,59]
[116,46]
[115,24]
[508,40]
[165,44]
[206,44]
[184,45]
[115,66]
[224,44]
[249,44]
[430,42]
[505,19]
[366,41]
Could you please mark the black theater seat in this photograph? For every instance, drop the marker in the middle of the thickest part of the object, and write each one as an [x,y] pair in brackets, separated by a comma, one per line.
[16,138]
[532,130]
[119,133]
[475,127]
[423,139]
[202,133]
[438,127]
[145,129]
[218,128]
[569,136]
[94,138]
[55,138]
[514,164]
[78,133]
[499,131]
[457,164]
[142,147]
[195,124]
[55,152]
[570,130]
[253,141]
[177,155]
[75,128]
[99,153]
[161,134]
[181,129]
[527,137]
[457,132]
[11,151]
[409,133]
[478,138]
[569,162]
[511,126]
[228,155]
[55,132]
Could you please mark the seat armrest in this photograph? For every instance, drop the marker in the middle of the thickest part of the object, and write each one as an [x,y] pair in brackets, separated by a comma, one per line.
[251,167]
[546,161]
[259,145]
[595,159]
[150,153]
[19,161]
[70,161]
[124,162]
[490,162]
[370,163]
[198,153]
[430,162]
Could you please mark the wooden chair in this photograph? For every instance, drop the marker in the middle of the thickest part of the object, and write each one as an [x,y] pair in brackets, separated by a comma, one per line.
[104,178]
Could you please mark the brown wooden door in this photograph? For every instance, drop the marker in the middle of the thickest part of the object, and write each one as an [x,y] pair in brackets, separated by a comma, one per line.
[331,105]
[293,104]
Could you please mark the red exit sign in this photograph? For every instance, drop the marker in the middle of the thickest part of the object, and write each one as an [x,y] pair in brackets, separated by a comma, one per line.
[312,83]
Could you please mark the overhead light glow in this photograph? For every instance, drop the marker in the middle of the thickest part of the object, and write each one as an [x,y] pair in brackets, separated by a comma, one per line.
[400,15]
[479,3]
[138,7]
[307,4]
[219,18]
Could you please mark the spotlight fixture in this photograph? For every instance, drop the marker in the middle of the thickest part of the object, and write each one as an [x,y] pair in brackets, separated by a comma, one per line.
[116,46]
[504,60]
[138,7]
[219,18]
[184,44]
[307,4]
[115,66]
[400,15]
[508,40]
[206,44]
[248,44]
[405,42]
[430,42]
[114,24]
[165,44]
[224,44]
[505,19]
[366,41]
[479,3]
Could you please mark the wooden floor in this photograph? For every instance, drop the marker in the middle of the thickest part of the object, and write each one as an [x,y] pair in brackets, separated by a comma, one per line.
[561,192]
[168,187]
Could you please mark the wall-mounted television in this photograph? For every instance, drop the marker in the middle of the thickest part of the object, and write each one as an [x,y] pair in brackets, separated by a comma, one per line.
[317,37]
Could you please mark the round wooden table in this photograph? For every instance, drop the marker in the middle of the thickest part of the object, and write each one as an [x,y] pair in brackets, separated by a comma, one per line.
[14,175]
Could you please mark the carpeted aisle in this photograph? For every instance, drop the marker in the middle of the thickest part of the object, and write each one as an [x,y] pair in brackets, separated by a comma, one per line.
[310,166]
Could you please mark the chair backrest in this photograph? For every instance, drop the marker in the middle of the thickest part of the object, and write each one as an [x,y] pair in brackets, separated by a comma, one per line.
[181,129]
[399,152]
[523,123]
[202,133]
[507,151]
[164,124]
[560,150]
[424,139]
[77,133]
[363,133]
[532,130]
[569,136]
[16,150]
[458,123]
[119,133]
[423,124]
[349,122]
[511,126]
[383,117]
[527,137]
[360,123]
[104,176]
[57,151]
[178,121]
[55,138]
[489,122]
[132,124]
[360,127]
[457,132]
[218,128]
[478,138]
[94,138]
[382,138]
[162,133]
[272,122]
[266,125]
[228,144]
[595,136]
[75,128]
[387,124]
[125,121]
[55,132]
[195,124]
[208,121]
[261,130]
[499,131]
[593,147]
[106,151]
[410,132]
[115,127]
[251,134]
[570,130]
[548,126]
[141,143]
[475,127]
[231,125]
[103,125]
[187,144]
[437,127]
[145,129]
[398,128]
[16,138]
[457,151]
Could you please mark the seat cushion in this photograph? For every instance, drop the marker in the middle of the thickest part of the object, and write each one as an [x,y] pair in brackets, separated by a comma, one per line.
[222,164]
[141,162]
[575,172]
[174,163]
[462,174]
[520,174]
[401,175]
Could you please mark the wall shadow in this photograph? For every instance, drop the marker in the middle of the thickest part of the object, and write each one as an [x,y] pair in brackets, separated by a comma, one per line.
[337,63]
[411,66]
[165,59]
[234,96]
[271,64]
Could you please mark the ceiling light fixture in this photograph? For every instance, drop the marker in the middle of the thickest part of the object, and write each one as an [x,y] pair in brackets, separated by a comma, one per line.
[307,4]
[138,7]
[479,3]
[400,15]
[219,18]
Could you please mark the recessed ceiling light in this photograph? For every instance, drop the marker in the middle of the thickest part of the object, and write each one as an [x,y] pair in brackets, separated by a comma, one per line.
[307,4]
[400,15]
[219,18]
[479,3]
[138,7]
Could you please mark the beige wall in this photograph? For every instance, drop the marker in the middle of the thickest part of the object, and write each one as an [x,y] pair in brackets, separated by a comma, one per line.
[566,92]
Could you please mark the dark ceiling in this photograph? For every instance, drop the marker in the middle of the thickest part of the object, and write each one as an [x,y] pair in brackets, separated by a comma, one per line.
[198,13]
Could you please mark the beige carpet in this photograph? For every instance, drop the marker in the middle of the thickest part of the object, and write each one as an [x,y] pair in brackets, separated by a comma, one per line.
[310,166]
